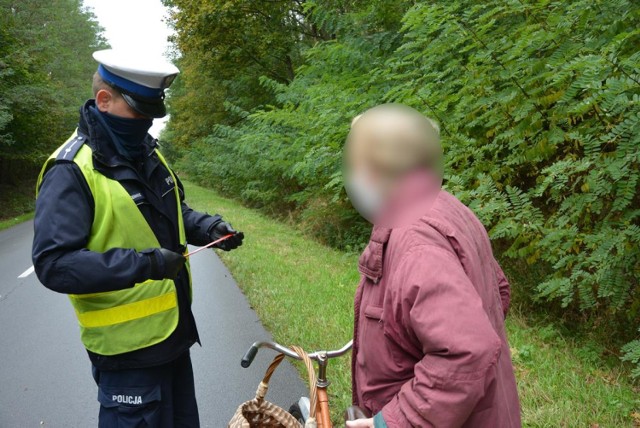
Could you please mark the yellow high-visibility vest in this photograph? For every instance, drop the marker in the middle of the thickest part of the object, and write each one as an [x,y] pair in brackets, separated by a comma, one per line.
[120,321]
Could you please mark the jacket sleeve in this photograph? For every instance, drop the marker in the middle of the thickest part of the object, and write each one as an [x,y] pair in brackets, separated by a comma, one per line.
[504,288]
[197,225]
[443,313]
[62,225]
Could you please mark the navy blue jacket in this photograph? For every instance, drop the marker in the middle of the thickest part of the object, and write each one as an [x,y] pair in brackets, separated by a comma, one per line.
[63,219]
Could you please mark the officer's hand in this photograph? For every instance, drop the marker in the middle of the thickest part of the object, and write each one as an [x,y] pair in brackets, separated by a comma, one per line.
[166,264]
[222,229]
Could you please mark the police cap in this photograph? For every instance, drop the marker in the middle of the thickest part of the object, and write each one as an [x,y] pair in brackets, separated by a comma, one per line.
[141,79]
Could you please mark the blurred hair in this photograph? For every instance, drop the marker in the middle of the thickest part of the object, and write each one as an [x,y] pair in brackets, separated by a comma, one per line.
[400,135]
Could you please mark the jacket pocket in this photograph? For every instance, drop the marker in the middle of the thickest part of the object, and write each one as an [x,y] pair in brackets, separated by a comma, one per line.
[125,407]
[373,313]
[381,376]
[396,358]
[371,331]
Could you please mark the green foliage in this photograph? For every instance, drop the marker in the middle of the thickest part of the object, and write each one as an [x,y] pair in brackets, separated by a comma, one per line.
[45,75]
[632,354]
[230,45]
[539,105]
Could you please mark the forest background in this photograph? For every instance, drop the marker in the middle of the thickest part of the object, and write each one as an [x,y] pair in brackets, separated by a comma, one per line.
[538,102]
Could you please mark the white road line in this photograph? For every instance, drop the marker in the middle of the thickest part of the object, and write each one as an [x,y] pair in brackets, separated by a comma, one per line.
[27,272]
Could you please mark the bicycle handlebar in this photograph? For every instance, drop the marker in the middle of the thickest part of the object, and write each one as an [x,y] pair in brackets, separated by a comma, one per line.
[251,353]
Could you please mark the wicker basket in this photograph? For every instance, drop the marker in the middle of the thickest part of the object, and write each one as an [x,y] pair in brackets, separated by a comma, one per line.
[259,413]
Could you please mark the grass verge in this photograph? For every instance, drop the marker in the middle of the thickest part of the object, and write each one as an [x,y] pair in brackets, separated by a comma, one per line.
[7,223]
[303,293]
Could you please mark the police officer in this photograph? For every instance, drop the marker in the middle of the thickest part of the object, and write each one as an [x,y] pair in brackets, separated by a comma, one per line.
[111,229]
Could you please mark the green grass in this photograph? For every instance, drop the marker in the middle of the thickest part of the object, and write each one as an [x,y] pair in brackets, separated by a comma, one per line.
[7,223]
[303,293]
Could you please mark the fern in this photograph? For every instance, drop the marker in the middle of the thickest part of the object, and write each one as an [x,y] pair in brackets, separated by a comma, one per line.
[539,105]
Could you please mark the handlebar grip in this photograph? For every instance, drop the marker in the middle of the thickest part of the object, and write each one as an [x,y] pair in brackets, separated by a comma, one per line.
[249,356]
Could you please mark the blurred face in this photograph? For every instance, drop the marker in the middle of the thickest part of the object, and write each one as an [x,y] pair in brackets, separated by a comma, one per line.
[385,149]
[113,103]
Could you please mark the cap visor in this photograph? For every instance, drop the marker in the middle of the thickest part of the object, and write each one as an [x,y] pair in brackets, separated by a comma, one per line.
[155,109]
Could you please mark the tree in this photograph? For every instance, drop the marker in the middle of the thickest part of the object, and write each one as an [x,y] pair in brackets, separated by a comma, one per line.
[231,44]
[45,75]
[538,104]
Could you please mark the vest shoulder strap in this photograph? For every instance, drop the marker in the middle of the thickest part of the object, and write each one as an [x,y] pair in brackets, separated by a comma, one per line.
[71,149]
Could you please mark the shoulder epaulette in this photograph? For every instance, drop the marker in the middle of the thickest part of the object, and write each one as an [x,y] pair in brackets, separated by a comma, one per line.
[70,149]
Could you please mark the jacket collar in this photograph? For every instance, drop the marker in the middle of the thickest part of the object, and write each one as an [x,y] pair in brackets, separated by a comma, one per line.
[371,260]
[103,148]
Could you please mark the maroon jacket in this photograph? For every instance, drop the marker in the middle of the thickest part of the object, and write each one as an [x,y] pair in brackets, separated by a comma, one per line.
[430,348]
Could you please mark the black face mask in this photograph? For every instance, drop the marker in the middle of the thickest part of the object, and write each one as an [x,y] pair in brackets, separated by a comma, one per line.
[127,134]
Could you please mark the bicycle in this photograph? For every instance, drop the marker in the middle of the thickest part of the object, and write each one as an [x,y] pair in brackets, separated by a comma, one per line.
[301,410]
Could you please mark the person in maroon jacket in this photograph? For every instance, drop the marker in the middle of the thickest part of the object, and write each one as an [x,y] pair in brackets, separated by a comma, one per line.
[430,348]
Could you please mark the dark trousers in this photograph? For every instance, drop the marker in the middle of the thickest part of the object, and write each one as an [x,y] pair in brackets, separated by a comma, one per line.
[154,397]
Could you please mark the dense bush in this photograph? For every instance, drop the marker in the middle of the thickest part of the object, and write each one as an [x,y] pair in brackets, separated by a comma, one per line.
[539,105]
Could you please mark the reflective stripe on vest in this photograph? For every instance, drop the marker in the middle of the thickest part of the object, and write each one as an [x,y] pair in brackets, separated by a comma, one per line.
[135,317]
[126,312]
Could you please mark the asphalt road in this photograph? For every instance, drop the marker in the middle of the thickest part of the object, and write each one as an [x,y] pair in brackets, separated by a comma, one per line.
[45,374]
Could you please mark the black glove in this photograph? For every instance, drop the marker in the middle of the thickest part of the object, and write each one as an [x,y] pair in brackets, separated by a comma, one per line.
[166,264]
[223,229]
